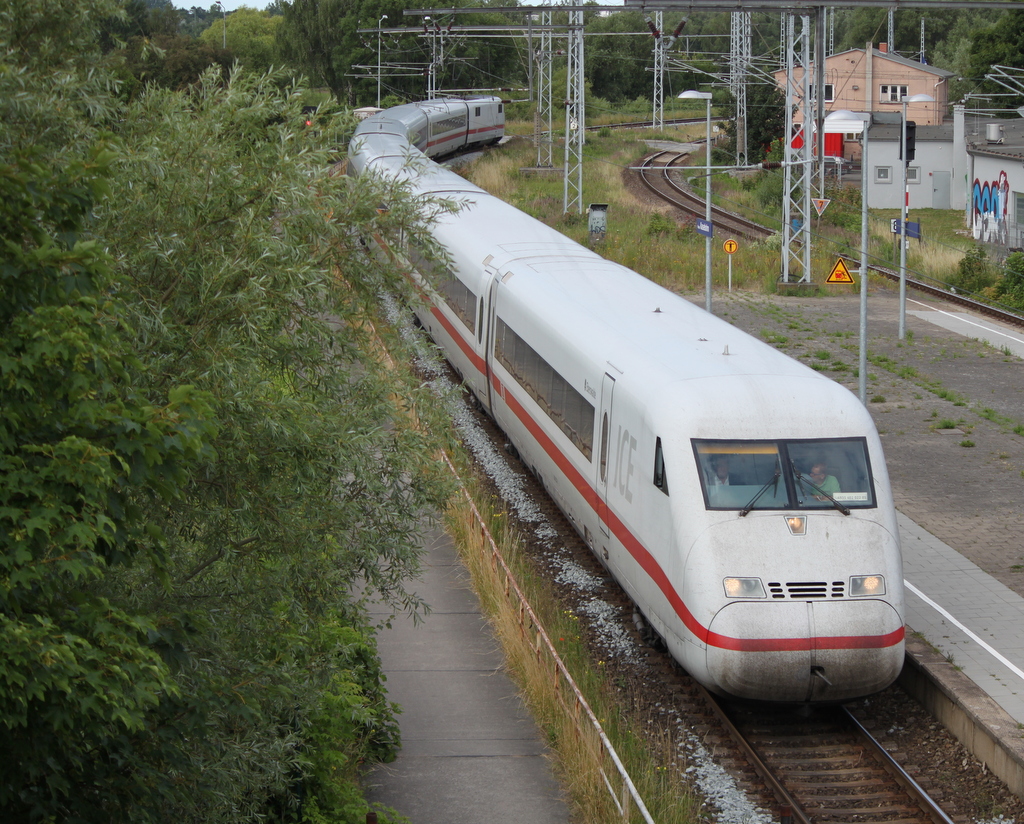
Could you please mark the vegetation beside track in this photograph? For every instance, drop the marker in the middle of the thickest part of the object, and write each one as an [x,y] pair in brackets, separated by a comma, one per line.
[644,237]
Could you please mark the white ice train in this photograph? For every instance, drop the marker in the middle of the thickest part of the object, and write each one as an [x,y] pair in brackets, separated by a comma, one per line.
[740,498]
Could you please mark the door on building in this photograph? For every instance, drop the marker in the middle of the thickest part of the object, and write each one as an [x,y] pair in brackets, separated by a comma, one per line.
[940,189]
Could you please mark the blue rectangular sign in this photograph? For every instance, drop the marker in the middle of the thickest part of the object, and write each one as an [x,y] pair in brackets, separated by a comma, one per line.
[913,229]
[705,228]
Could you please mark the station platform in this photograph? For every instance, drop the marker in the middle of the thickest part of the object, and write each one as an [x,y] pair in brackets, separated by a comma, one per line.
[972,619]
[470,750]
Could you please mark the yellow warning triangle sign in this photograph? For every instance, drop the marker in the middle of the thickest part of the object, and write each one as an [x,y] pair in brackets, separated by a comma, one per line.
[840,274]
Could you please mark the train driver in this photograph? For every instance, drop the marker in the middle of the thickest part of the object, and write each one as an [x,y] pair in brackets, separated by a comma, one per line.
[720,472]
[822,480]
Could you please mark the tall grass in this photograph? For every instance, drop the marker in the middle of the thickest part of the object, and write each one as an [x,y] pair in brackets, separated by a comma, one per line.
[651,760]
[638,238]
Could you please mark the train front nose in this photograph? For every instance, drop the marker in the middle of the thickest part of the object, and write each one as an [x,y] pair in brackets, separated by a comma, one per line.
[801,651]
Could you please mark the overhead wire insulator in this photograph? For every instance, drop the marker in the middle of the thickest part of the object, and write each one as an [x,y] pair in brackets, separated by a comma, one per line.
[650,24]
[676,32]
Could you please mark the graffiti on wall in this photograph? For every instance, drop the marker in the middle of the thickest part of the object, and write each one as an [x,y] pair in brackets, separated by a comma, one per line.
[989,207]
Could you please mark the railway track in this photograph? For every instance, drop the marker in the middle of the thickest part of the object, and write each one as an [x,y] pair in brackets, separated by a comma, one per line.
[656,174]
[994,312]
[646,124]
[824,766]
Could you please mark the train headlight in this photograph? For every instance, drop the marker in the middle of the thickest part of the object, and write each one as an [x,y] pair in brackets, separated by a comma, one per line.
[744,588]
[797,524]
[867,585]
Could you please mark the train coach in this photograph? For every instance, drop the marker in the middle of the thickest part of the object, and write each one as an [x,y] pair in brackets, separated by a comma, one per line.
[740,498]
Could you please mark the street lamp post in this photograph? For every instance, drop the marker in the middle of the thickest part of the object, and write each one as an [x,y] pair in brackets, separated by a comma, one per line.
[690,94]
[904,162]
[383,17]
[845,122]
[224,28]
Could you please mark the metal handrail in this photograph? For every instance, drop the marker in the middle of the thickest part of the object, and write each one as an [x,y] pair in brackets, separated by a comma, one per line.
[544,641]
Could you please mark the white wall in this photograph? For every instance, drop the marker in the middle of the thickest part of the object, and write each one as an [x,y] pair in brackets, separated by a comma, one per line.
[885,182]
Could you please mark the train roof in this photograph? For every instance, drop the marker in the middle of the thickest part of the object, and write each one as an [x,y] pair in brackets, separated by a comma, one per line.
[652,335]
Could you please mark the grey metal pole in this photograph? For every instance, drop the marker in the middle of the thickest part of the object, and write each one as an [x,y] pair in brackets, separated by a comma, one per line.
[707,213]
[862,359]
[903,226]
[382,19]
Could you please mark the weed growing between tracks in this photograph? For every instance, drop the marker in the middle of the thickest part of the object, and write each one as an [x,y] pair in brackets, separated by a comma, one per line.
[652,762]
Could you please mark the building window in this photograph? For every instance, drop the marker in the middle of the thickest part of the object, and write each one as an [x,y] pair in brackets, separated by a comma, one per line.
[830,92]
[891,94]
[883,174]
[913,174]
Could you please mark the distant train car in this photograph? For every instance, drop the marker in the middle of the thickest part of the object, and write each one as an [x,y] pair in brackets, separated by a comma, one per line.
[740,498]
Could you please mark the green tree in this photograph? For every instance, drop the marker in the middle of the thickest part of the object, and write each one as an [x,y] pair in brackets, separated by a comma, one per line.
[83,457]
[235,243]
[250,36]
[1001,44]
[205,458]
[319,37]
[619,67]
[766,121]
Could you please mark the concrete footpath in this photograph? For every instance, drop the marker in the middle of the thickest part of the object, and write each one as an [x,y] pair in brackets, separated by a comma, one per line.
[470,750]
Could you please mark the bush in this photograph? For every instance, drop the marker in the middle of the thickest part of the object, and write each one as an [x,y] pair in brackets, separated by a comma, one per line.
[660,224]
[974,272]
[769,191]
[1011,286]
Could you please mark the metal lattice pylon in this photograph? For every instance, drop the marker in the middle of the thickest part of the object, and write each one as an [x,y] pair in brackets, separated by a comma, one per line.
[796,203]
[542,118]
[574,116]
[739,64]
[658,118]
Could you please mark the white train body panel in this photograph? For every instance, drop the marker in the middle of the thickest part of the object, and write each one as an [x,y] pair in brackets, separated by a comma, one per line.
[785,584]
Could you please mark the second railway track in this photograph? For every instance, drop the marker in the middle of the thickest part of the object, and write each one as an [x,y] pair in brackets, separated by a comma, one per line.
[656,174]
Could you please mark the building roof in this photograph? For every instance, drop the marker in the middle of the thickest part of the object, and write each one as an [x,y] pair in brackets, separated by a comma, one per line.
[979,140]
[878,54]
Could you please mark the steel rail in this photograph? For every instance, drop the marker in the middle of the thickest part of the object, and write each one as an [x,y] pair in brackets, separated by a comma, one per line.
[774,785]
[903,778]
[690,202]
[1005,315]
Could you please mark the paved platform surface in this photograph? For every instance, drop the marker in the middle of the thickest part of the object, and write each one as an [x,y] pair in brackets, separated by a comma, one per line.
[470,750]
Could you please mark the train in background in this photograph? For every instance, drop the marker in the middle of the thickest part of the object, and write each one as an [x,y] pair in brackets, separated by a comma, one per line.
[739,498]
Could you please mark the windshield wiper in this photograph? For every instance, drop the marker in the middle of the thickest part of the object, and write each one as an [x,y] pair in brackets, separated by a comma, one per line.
[773,482]
[800,479]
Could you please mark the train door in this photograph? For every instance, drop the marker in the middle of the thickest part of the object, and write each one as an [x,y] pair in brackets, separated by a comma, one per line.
[603,460]
[489,324]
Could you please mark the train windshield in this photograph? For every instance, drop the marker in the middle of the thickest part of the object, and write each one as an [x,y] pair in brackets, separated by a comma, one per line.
[785,474]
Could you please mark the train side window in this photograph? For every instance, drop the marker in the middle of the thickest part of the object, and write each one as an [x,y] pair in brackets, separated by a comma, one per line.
[557,398]
[476,111]
[660,478]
